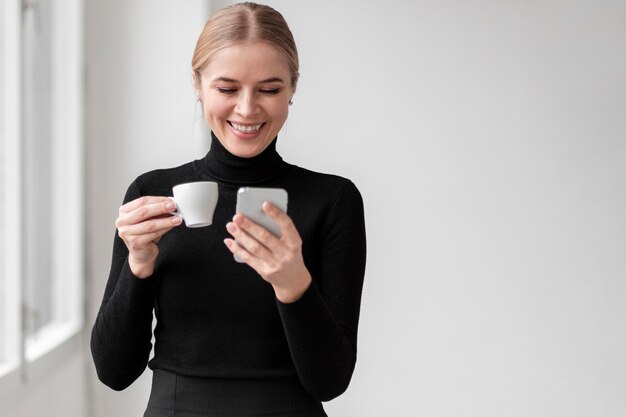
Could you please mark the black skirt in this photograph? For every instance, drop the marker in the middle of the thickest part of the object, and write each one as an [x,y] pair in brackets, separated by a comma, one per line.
[175,395]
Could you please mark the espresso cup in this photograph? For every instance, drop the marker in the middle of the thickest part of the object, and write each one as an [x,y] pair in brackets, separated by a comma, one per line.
[195,202]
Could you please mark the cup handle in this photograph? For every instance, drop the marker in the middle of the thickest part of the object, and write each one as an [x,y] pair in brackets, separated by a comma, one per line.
[176,212]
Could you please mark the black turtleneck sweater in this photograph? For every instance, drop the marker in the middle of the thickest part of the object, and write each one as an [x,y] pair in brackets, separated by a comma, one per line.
[217,318]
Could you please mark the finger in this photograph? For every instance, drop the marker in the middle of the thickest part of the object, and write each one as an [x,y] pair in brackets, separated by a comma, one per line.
[158,226]
[248,242]
[288,229]
[142,201]
[242,253]
[141,243]
[148,211]
[257,232]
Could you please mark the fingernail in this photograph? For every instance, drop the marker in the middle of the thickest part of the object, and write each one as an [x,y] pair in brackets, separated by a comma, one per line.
[238,219]
[230,227]
[170,206]
[177,220]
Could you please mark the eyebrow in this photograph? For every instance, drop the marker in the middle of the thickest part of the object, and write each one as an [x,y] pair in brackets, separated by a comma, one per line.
[266,81]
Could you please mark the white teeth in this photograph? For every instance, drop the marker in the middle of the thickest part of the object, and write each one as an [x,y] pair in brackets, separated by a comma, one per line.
[246,129]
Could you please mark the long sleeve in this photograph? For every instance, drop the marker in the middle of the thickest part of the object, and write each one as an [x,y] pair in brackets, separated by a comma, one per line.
[216,318]
[321,327]
[122,333]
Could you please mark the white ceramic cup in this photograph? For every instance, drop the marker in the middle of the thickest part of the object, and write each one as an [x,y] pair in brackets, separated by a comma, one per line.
[195,202]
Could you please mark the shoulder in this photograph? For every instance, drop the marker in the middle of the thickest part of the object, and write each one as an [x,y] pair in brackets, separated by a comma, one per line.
[161,181]
[329,183]
[330,190]
[333,205]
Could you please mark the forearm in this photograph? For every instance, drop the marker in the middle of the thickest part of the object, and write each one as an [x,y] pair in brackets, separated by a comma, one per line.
[324,353]
[321,327]
[121,335]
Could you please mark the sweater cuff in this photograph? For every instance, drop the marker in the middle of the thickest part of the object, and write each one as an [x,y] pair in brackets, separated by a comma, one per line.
[310,309]
[311,292]
[129,283]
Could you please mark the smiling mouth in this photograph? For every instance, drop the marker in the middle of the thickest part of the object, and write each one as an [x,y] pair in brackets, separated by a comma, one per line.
[246,128]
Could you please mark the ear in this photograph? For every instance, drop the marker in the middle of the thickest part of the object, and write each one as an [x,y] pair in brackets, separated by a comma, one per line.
[294,83]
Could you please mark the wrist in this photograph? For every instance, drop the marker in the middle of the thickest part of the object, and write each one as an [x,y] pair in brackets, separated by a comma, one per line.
[141,270]
[293,293]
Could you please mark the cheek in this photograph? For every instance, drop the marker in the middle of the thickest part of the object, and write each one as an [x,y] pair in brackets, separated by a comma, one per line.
[279,112]
[215,109]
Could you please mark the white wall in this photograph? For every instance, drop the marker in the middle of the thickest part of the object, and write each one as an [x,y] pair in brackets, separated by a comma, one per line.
[140,117]
[55,385]
[488,140]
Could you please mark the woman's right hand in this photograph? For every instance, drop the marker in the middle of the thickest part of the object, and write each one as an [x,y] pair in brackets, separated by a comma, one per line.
[141,224]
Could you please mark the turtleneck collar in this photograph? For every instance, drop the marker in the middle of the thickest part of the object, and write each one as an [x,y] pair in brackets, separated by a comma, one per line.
[228,168]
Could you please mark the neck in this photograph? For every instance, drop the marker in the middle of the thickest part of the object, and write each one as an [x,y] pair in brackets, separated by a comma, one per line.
[229,168]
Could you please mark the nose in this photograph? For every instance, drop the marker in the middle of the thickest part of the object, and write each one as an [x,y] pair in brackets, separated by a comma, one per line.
[247,104]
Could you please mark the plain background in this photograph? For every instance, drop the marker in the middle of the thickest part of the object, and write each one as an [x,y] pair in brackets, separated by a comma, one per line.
[488,139]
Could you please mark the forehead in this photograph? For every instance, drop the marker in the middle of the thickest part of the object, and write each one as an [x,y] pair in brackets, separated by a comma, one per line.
[247,62]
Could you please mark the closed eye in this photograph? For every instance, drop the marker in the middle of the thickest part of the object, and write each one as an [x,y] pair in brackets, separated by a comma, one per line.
[230,91]
[226,90]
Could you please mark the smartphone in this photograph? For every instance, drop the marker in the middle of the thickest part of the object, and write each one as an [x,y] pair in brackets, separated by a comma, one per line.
[250,203]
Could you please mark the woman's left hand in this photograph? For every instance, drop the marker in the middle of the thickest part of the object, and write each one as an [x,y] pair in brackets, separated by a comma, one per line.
[278,260]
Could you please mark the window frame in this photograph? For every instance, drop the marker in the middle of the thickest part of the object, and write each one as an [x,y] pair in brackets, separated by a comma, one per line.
[67,162]
[11,134]
[67,156]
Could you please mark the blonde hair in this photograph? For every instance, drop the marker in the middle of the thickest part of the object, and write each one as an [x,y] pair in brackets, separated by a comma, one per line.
[244,22]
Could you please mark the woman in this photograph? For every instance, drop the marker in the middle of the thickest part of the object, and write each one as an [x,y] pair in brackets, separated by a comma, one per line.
[275,335]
